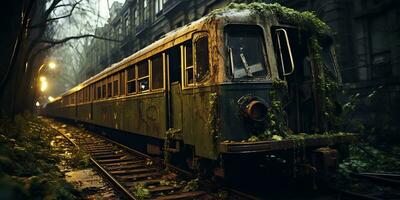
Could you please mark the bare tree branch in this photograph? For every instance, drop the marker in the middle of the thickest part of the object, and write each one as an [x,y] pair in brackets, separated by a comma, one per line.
[53,6]
[67,15]
[55,42]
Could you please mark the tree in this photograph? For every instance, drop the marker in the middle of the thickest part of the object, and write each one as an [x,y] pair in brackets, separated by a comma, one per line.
[38,32]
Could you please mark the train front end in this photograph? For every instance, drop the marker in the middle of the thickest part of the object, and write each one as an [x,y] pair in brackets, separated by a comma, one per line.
[277,103]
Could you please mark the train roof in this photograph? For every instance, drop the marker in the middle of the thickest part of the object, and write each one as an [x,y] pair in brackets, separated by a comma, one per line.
[177,36]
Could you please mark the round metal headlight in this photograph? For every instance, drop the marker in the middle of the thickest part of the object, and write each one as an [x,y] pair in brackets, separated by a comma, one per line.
[253,108]
[256,110]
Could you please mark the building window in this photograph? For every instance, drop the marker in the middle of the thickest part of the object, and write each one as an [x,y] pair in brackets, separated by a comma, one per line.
[119,31]
[157,72]
[131,80]
[146,10]
[159,4]
[136,15]
[127,24]
[143,76]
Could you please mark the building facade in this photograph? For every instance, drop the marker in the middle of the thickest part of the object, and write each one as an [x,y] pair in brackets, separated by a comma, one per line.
[366,34]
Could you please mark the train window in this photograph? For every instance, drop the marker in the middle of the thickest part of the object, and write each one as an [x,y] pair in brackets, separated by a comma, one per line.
[189,71]
[131,80]
[122,83]
[73,98]
[175,65]
[202,59]
[246,51]
[84,95]
[157,72]
[109,89]
[115,88]
[98,91]
[103,91]
[143,76]
[92,91]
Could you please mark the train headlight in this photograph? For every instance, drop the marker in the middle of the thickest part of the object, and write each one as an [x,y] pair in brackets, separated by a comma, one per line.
[253,108]
[256,110]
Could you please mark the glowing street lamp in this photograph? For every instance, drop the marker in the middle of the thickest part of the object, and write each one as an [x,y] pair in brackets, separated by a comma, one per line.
[51,99]
[43,86]
[52,65]
[42,79]
[37,104]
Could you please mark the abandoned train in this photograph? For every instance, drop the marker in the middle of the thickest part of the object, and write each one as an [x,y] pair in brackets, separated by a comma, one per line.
[205,88]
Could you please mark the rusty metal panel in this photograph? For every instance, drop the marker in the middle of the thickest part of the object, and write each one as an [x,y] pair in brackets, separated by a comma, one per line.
[83,112]
[144,115]
[272,145]
[234,127]
[196,126]
[176,106]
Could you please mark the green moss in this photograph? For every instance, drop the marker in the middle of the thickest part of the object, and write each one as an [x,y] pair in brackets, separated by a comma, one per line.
[305,20]
[28,163]
[141,191]
[213,119]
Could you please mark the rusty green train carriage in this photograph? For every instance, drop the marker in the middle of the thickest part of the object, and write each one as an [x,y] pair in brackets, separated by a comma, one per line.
[206,88]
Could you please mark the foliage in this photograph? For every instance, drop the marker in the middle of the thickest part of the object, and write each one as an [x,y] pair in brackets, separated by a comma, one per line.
[306,20]
[366,158]
[28,164]
[140,191]
[213,119]
[191,186]
[80,159]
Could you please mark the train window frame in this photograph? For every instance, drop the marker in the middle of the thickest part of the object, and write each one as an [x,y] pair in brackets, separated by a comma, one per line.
[129,81]
[109,84]
[143,78]
[151,72]
[98,88]
[186,68]
[196,38]
[230,71]
[122,84]
[103,89]
[115,85]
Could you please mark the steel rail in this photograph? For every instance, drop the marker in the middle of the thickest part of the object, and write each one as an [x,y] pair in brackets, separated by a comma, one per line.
[120,188]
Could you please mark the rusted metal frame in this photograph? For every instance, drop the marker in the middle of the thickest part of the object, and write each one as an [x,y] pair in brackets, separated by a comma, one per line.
[264,146]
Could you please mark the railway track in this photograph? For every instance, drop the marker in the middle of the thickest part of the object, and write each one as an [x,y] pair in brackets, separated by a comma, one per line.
[388,185]
[138,176]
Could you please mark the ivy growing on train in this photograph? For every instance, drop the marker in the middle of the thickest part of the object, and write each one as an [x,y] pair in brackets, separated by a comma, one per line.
[326,86]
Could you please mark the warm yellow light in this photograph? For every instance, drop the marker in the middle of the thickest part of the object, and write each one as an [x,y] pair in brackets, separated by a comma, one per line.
[42,79]
[43,86]
[51,99]
[37,103]
[52,65]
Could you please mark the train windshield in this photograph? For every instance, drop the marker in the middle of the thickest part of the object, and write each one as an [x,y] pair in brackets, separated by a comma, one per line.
[246,51]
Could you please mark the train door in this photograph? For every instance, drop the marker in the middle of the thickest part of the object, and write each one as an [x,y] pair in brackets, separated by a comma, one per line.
[295,67]
[174,86]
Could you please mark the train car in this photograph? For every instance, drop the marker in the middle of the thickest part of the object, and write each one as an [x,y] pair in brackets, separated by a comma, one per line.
[218,89]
